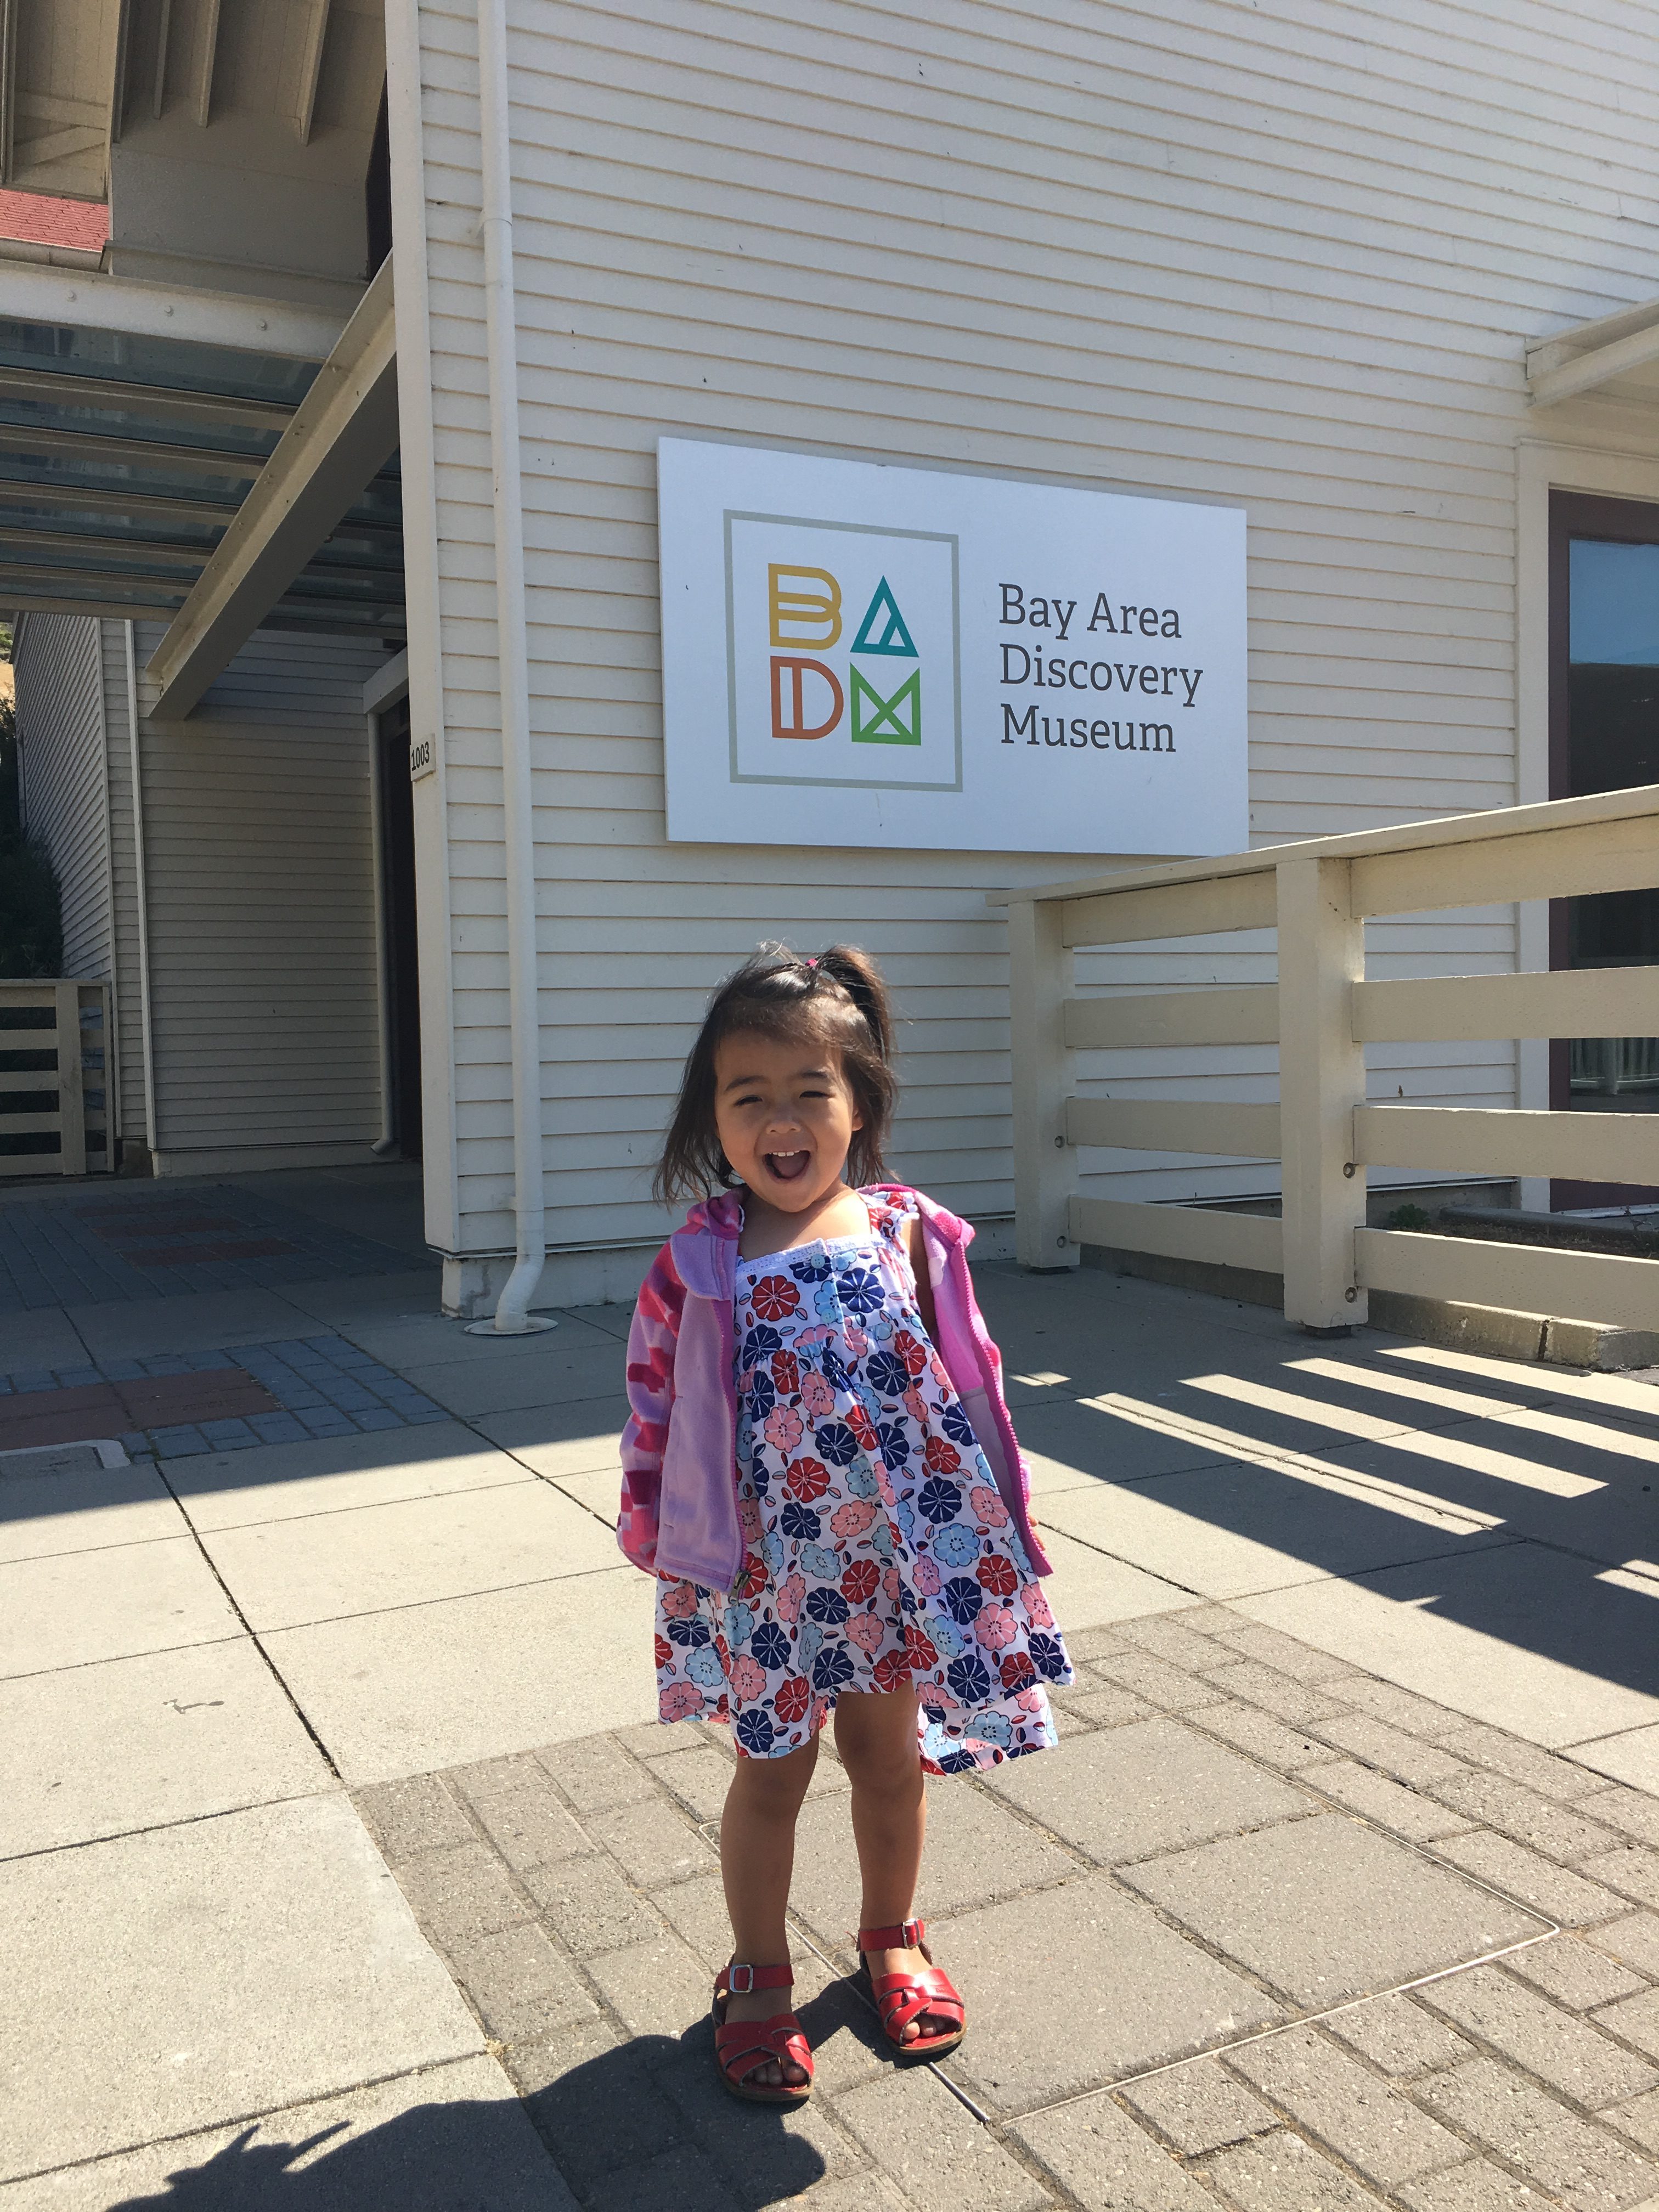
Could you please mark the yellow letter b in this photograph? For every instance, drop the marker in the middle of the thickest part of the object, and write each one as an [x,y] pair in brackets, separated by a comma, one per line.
[800,615]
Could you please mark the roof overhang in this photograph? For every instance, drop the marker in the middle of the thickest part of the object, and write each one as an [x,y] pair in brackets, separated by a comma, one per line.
[1615,357]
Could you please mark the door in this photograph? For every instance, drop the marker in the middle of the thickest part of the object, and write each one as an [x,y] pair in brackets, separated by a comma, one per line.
[1604,736]
[397,890]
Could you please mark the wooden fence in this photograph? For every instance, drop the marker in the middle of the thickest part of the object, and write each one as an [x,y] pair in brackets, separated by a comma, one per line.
[55,1074]
[1321,1014]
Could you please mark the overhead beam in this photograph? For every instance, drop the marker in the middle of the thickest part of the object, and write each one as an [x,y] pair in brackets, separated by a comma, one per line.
[310,67]
[344,432]
[207,54]
[1585,371]
[37,294]
[21,491]
[138,452]
[167,403]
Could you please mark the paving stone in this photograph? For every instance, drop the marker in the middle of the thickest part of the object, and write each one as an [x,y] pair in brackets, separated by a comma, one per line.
[1151,1786]
[653,1842]
[1479,2186]
[1400,1708]
[407,1818]
[1080,1986]
[1264,1738]
[1587,2167]
[1103,1704]
[527,1822]
[681,2179]
[934,2149]
[764,2157]
[847,2046]
[658,1988]
[1407,1758]
[1105,2163]
[596,1775]
[1631,1810]
[1560,2049]
[1199,2108]
[1097,1643]
[590,1907]
[1635,1939]
[1572,1973]
[1170,1688]
[1254,1639]
[520,1986]
[1390,1804]
[1548,1888]
[1631,1867]
[1257,1684]
[701,1778]
[1281,2174]
[1166,1637]
[1635,2019]
[595,2105]
[1324,1909]
[696,1910]
[1639,2117]
[1378,2131]
[1544,1824]
[655,1739]
[1396,2035]
[459,1894]
[1483,1746]
[864,2191]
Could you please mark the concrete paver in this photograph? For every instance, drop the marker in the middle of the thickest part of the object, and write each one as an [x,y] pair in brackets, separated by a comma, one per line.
[78,1606]
[42,1515]
[425,2143]
[137,1743]
[283,1573]
[429,1686]
[1325,1909]
[180,1978]
[334,1474]
[1632,1756]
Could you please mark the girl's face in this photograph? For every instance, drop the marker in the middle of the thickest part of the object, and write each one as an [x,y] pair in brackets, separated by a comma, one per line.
[785,1115]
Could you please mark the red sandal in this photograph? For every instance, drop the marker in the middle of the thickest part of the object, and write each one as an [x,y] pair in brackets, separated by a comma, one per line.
[743,2046]
[900,1998]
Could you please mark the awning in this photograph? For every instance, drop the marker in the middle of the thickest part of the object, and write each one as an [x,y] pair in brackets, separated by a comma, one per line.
[1616,357]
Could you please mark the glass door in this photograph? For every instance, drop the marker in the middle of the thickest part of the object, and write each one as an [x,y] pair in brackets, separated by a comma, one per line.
[1604,736]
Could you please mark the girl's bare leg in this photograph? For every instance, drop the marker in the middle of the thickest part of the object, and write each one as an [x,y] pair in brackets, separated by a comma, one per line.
[757,1857]
[876,1737]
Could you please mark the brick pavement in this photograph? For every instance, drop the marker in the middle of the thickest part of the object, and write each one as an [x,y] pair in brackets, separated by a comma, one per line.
[1213,1955]
[184,1403]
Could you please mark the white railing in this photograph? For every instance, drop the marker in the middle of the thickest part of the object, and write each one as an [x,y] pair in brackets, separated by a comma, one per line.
[55,1066]
[1321,1014]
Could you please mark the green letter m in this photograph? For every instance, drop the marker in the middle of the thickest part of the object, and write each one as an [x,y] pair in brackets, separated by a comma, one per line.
[879,721]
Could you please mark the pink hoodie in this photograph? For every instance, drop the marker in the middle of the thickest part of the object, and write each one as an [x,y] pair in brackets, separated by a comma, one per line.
[679,1506]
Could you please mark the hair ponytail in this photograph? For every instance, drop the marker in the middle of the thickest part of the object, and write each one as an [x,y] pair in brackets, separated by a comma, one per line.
[839,998]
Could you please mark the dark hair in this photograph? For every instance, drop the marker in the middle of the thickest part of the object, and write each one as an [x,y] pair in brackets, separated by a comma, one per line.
[839,998]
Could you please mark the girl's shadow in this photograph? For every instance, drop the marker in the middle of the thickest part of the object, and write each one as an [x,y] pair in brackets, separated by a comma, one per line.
[646,2125]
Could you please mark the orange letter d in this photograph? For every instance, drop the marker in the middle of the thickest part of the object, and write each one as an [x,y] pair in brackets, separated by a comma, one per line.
[788,707]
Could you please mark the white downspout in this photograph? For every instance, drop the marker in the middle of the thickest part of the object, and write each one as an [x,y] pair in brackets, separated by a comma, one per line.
[140,870]
[512,1315]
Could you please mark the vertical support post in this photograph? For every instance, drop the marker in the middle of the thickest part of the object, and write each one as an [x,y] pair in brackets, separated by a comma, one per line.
[1322,1079]
[71,1088]
[1045,1164]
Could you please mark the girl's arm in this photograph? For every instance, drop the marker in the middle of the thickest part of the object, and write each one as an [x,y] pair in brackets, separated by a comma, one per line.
[924,1280]
[651,1342]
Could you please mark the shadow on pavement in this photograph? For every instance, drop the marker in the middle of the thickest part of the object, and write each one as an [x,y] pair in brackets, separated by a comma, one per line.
[645,2124]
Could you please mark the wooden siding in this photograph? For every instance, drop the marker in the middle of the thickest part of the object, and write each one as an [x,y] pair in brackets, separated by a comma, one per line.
[1286,257]
[61,748]
[264,1001]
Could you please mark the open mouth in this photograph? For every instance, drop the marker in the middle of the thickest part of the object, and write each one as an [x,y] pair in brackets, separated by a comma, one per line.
[787,1167]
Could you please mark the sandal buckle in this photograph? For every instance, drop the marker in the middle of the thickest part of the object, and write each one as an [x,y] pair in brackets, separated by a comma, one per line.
[740,1988]
[912,1933]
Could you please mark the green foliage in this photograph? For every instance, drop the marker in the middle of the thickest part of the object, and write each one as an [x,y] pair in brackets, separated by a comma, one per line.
[31,904]
[1408,1217]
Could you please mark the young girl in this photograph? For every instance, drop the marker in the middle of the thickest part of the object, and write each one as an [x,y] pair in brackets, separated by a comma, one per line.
[821,1472]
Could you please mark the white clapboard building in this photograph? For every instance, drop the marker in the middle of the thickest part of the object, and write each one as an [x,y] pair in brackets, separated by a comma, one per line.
[536,496]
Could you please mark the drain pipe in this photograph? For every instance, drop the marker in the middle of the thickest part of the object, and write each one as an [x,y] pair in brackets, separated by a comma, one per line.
[512,1315]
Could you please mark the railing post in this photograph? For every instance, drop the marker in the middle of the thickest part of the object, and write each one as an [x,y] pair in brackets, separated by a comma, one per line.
[1045,1165]
[72,1101]
[1322,1079]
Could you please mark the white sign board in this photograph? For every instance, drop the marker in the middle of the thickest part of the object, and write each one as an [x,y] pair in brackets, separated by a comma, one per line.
[861,656]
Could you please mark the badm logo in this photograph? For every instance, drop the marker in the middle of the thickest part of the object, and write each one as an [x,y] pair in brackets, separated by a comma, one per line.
[805,610]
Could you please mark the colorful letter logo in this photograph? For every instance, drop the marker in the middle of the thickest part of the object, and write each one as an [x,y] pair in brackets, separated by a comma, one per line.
[804,609]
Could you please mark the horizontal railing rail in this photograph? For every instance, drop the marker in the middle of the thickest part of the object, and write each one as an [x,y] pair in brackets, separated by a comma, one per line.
[56,1067]
[1321,1014]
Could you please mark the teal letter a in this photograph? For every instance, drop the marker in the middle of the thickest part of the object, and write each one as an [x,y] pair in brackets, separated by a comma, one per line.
[895,638]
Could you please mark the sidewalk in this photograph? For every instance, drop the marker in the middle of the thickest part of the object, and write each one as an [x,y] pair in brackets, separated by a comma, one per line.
[343,1864]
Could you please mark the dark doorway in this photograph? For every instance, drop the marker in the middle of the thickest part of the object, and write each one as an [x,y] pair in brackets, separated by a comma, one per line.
[1604,736]
[402,959]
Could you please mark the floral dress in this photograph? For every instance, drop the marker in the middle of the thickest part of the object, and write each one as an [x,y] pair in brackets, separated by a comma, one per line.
[879,1550]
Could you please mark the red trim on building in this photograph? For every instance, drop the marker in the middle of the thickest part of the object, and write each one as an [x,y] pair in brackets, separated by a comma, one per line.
[38,221]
